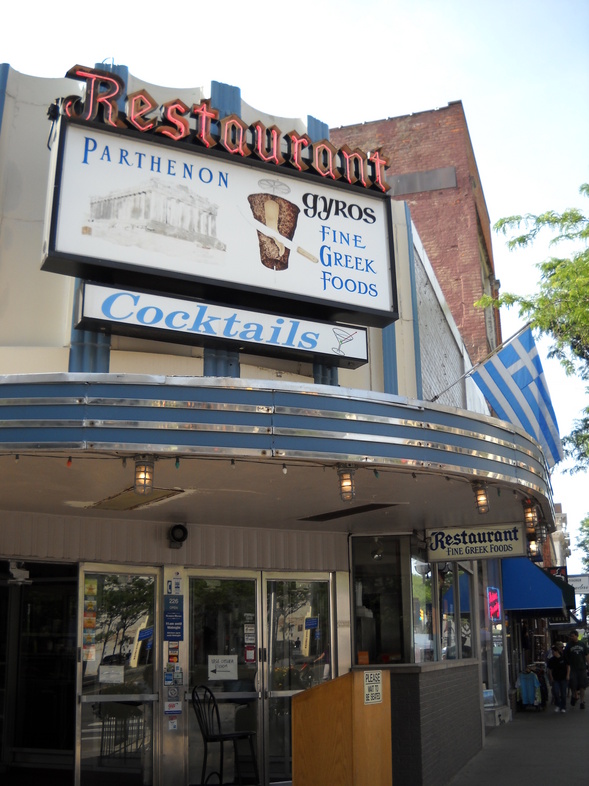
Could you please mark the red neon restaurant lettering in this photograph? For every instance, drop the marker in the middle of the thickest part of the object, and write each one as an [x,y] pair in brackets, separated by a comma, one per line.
[101,104]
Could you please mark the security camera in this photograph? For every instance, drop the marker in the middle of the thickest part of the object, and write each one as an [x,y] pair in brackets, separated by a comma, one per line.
[177,534]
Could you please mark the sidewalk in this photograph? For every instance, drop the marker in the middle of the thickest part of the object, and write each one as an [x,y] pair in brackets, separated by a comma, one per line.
[535,749]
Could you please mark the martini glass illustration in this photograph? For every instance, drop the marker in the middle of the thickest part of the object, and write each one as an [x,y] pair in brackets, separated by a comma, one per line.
[342,337]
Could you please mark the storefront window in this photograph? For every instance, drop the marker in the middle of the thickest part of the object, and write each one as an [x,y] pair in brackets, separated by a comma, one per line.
[467,646]
[448,603]
[378,609]
[423,612]
[493,655]
[417,615]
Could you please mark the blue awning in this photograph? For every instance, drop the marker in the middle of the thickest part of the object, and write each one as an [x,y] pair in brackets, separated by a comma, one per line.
[527,588]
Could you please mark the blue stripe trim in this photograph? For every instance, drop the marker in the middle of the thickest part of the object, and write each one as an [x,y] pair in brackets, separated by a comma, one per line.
[316,129]
[122,71]
[226,99]
[389,360]
[4,71]
[208,420]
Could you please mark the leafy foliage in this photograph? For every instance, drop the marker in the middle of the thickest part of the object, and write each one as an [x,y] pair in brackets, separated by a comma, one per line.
[583,541]
[560,307]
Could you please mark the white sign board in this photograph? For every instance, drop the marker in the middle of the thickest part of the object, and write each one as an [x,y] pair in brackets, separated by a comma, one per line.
[201,322]
[580,583]
[147,207]
[222,667]
[373,687]
[172,708]
[452,543]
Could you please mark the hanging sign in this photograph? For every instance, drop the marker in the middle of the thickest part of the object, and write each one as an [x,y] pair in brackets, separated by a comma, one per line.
[124,207]
[580,583]
[459,543]
[129,312]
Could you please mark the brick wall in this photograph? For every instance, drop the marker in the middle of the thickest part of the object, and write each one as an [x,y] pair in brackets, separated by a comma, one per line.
[453,223]
[436,723]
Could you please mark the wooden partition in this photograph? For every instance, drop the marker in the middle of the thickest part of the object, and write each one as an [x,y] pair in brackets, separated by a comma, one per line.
[342,732]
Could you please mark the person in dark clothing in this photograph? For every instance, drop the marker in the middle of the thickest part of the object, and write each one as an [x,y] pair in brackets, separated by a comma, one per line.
[558,675]
[576,655]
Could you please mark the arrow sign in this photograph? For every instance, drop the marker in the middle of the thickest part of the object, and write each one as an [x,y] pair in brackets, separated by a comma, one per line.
[222,667]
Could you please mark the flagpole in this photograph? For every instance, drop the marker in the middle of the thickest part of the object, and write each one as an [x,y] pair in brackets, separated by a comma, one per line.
[480,363]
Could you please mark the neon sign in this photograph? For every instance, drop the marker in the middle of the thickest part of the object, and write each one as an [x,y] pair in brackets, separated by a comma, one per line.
[142,113]
[494,604]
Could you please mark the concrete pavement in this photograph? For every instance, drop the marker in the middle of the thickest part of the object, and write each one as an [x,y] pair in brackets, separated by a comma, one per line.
[535,749]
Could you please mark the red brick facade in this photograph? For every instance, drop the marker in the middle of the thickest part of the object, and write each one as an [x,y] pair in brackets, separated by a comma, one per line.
[452,222]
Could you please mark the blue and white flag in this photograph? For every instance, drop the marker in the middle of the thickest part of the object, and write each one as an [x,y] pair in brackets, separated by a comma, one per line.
[512,381]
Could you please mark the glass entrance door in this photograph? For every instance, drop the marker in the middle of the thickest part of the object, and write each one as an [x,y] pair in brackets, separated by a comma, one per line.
[116,677]
[256,640]
[224,656]
[298,635]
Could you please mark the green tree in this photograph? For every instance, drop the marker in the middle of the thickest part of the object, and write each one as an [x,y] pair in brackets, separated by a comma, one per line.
[583,546]
[560,307]
[583,542]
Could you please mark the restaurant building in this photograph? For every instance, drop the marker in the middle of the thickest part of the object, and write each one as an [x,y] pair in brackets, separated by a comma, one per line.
[237,443]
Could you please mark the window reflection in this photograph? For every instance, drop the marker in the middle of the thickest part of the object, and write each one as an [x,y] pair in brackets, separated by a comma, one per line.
[465,594]
[493,658]
[378,609]
[117,647]
[448,602]
[118,663]
[423,618]
[431,605]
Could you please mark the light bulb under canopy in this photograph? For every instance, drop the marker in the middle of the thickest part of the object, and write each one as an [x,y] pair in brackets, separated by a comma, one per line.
[144,470]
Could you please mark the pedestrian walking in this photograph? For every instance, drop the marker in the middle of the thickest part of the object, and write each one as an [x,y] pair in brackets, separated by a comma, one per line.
[558,676]
[576,654]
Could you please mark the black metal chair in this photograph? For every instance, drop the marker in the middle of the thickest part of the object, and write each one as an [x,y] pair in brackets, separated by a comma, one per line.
[209,720]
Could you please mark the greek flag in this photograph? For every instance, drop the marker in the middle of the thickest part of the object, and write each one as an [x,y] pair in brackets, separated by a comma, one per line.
[512,381]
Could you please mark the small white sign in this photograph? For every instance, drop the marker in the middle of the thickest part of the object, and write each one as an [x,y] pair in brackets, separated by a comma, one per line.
[222,667]
[173,708]
[580,583]
[373,687]
[112,675]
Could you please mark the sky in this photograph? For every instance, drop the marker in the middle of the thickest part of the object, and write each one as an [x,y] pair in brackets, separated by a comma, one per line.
[520,68]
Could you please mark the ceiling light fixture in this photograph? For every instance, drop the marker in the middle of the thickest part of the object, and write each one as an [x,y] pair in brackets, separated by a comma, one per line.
[144,475]
[530,513]
[347,489]
[481,498]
